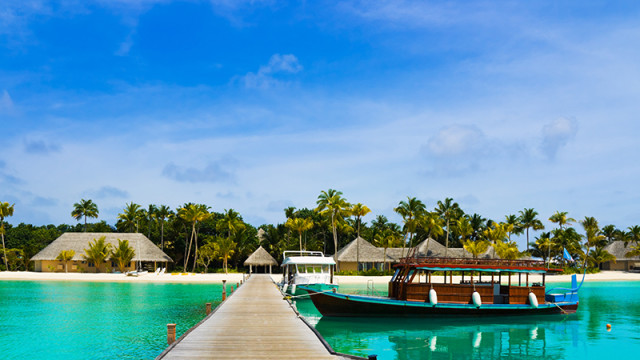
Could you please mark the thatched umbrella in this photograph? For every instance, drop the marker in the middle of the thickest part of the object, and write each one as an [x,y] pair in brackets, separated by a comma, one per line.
[260,257]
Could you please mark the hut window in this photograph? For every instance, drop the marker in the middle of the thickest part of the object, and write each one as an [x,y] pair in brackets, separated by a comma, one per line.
[90,264]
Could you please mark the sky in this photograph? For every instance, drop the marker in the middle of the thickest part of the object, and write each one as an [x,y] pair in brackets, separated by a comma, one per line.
[260,105]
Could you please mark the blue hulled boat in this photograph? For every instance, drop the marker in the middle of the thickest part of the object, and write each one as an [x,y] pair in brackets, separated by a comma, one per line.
[423,286]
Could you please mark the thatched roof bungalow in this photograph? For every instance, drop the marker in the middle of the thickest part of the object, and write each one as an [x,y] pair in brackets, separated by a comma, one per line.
[619,249]
[361,251]
[145,251]
[260,257]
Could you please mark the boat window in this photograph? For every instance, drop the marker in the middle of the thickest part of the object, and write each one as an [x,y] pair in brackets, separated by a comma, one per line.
[395,275]
[300,269]
[317,269]
[409,275]
[325,269]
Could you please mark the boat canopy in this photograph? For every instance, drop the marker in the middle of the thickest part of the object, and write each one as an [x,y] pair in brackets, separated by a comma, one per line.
[308,260]
[489,270]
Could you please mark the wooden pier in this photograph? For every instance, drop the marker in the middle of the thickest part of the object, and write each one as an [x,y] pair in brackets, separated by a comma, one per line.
[255,322]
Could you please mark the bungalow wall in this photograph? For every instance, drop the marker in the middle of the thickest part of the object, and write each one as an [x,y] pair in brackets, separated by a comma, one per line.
[77,266]
[352,265]
[621,265]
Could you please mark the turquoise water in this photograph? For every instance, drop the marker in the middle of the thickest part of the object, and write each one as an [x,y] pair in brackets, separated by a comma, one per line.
[580,336]
[83,320]
[78,320]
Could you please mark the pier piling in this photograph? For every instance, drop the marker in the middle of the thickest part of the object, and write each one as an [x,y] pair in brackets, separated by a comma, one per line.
[208,308]
[171,333]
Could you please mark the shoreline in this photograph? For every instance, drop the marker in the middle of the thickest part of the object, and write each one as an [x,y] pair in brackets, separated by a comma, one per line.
[233,278]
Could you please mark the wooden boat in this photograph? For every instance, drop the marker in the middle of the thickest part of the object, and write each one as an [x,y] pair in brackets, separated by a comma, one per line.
[488,288]
[307,268]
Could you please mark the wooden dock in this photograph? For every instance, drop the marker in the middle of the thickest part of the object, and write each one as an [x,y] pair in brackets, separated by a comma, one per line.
[253,323]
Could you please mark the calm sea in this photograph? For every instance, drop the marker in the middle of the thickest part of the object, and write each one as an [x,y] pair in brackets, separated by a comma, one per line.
[77,320]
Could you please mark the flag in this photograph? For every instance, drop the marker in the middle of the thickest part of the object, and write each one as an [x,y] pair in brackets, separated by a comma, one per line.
[566,255]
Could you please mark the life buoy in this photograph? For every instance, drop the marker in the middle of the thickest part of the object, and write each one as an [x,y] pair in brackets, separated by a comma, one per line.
[477,300]
[433,297]
[533,300]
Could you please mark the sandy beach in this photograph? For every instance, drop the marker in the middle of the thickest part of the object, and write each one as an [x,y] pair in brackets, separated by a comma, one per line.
[233,278]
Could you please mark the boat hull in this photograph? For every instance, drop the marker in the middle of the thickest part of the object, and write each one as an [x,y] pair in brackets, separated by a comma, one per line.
[315,287]
[342,305]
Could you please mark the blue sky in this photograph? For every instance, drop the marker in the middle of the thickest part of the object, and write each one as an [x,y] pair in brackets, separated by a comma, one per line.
[260,105]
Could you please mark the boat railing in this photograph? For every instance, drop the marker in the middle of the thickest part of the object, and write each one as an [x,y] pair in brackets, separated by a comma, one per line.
[420,259]
[290,253]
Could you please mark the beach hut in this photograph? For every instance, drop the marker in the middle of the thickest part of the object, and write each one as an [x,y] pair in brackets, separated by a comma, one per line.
[146,252]
[619,249]
[260,257]
[361,251]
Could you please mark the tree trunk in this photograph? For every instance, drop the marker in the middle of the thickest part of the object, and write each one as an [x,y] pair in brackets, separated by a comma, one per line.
[300,240]
[195,254]
[527,239]
[162,235]
[186,263]
[446,250]
[5,252]
[85,223]
[358,248]
[335,240]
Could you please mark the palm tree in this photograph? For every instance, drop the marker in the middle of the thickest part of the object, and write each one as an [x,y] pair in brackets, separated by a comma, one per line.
[192,213]
[609,232]
[432,224]
[593,235]
[231,223]
[599,255]
[300,225]
[123,254]
[507,249]
[475,247]
[131,215]
[5,211]
[495,235]
[98,252]
[225,247]
[332,203]
[528,219]
[448,210]
[560,218]
[633,234]
[410,211]
[66,256]
[386,239]
[542,247]
[163,212]
[514,225]
[358,210]
[84,208]
[150,215]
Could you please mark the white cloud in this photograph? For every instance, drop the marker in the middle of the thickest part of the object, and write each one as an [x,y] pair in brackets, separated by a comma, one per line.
[267,75]
[556,135]
[6,103]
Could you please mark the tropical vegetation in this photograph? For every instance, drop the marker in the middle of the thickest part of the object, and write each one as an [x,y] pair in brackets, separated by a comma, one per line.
[198,238]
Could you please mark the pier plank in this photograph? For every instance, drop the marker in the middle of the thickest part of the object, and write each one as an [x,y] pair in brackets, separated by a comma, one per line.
[254,323]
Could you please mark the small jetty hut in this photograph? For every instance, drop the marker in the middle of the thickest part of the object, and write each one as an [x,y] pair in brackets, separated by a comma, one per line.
[619,249]
[360,251]
[146,252]
[260,257]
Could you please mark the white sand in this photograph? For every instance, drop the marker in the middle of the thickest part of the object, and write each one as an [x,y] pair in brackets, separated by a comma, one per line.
[233,278]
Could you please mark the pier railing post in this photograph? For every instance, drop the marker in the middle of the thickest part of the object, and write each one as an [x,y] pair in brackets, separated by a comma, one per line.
[171,333]
[224,290]
[237,285]
[208,308]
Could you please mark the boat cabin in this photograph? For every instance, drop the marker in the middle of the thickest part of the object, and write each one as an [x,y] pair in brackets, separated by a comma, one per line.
[496,281]
[307,267]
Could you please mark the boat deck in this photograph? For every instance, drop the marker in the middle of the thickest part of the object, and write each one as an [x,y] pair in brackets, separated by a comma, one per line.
[254,323]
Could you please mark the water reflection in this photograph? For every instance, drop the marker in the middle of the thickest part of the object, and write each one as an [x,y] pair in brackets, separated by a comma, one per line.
[459,338]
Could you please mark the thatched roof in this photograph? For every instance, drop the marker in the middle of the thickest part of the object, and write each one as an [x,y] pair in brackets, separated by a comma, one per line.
[619,250]
[260,257]
[144,248]
[362,249]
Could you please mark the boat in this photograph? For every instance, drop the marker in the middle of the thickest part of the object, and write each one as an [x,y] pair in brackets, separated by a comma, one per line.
[307,268]
[423,286]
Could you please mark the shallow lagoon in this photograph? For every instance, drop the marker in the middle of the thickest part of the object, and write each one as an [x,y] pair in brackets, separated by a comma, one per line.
[579,336]
[83,320]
